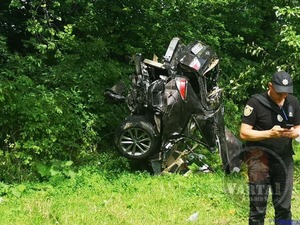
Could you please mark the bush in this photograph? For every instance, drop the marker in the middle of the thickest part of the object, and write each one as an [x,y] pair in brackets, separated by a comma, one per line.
[39,124]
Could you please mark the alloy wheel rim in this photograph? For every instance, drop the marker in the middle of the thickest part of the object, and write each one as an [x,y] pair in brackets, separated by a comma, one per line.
[135,142]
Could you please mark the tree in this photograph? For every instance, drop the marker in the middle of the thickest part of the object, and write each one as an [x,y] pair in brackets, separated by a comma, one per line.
[57,58]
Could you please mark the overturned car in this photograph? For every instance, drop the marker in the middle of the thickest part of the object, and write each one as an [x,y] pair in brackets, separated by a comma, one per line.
[174,103]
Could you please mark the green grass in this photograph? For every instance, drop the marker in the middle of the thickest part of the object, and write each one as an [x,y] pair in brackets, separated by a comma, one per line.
[96,196]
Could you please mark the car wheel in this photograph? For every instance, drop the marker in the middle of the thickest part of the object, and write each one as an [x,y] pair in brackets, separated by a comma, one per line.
[222,146]
[136,138]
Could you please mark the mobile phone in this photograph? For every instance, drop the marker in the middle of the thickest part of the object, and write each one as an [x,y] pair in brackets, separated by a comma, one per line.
[289,125]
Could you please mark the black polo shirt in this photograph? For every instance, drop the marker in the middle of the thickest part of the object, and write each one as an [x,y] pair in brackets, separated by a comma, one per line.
[263,118]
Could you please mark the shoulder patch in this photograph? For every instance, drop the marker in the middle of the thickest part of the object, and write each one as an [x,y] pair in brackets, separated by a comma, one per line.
[248,110]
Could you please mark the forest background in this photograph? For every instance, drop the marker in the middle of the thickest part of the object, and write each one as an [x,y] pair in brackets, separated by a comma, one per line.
[57,58]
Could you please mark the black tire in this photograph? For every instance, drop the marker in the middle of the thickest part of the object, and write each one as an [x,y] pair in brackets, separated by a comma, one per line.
[234,148]
[136,138]
[222,146]
[230,148]
[221,141]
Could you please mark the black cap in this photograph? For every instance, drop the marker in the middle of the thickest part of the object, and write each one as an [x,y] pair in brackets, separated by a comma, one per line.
[282,82]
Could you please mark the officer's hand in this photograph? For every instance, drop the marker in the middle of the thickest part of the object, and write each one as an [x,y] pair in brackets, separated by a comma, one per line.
[290,133]
[277,131]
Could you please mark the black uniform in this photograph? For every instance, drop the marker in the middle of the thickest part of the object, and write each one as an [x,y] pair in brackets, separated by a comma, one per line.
[270,164]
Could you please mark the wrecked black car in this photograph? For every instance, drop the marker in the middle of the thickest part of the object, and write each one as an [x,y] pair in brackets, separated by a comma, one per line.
[169,101]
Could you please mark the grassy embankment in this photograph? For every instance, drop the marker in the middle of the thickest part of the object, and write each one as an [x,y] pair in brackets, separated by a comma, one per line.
[95,196]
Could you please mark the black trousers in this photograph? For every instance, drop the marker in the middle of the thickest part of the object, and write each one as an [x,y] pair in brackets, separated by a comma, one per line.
[264,174]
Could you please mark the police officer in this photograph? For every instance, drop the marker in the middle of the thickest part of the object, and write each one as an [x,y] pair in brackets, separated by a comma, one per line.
[270,122]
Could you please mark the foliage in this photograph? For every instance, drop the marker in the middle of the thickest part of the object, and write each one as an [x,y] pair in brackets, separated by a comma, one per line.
[58,57]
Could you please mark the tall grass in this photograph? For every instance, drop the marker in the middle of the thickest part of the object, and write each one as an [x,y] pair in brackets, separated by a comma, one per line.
[102,196]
